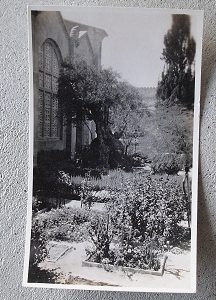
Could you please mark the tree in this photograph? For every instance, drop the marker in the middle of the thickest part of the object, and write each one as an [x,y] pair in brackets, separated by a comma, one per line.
[177,80]
[85,92]
[175,134]
[126,119]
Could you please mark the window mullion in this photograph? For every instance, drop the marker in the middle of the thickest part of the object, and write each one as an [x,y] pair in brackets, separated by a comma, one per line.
[49,71]
[51,100]
[43,103]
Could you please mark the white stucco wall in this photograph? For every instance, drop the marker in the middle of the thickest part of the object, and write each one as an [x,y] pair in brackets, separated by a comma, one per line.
[14,153]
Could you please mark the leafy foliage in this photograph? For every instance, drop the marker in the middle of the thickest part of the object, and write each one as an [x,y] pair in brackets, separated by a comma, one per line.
[140,217]
[38,244]
[126,118]
[168,163]
[143,256]
[38,252]
[84,90]
[175,137]
[88,93]
[67,224]
[101,235]
[127,253]
[143,216]
[149,208]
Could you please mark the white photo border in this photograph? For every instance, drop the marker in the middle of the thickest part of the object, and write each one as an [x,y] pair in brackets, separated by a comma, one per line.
[196,125]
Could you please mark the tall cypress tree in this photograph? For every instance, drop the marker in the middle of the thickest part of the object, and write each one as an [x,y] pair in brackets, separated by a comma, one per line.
[178,80]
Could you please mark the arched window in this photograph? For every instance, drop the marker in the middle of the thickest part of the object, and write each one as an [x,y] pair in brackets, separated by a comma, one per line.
[48,125]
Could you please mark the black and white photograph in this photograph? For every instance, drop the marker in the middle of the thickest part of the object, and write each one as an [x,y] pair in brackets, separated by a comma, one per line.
[113,156]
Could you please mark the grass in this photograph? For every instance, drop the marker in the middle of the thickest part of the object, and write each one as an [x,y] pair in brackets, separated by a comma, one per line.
[113,180]
[110,181]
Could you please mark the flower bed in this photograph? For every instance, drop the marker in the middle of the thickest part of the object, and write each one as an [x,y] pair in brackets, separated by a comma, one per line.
[141,217]
[109,267]
[140,220]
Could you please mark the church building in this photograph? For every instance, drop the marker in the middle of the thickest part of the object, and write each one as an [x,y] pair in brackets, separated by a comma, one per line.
[55,40]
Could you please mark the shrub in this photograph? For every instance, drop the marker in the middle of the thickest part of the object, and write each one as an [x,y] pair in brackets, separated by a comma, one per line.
[65,223]
[127,253]
[101,235]
[143,256]
[149,208]
[38,250]
[169,163]
[49,176]
[40,202]
[38,253]
[139,160]
[36,204]
[110,181]
[143,217]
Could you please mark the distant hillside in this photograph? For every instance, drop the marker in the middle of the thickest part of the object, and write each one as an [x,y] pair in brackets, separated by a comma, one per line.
[149,97]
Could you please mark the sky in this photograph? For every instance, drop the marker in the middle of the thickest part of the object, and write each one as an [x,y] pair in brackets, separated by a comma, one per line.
[134,43]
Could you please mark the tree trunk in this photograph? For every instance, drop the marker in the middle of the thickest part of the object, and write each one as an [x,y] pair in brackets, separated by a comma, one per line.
[108,151]
[126,150]
[103,136]
[68,138]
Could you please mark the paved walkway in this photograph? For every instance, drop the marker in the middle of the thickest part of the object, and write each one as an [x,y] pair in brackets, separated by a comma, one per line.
[176,275]
[94,206]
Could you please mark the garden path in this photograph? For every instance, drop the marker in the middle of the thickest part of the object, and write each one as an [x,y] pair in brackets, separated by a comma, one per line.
[77,204]
[176,275]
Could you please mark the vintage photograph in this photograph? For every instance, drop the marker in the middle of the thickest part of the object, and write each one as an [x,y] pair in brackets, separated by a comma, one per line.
[114,135]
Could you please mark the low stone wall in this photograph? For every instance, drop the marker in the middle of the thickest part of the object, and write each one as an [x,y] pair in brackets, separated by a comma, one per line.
[109,267]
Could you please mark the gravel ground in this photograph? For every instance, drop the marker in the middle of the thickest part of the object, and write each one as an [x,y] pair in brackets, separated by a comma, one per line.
[176,275]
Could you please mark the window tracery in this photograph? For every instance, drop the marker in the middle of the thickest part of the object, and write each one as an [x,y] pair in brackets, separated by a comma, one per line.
[48,126]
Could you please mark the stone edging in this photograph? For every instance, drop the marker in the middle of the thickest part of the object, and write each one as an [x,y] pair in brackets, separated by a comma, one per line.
[53,244]
[109,267]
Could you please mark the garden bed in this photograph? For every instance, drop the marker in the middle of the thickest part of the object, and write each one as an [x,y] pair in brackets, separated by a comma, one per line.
[109,267]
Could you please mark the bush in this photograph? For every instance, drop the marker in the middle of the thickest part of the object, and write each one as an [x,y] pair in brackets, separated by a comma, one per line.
[127,253]
[143,256]
[144,215]
[65,224]
[148,208]
[169,163]
[101,236]
[47,175]
[139,160]
[40,202]
[36,204]
[38,250]
[51,186]
[38,253]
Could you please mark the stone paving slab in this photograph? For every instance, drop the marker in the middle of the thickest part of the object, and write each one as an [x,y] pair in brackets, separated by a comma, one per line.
[57,250]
